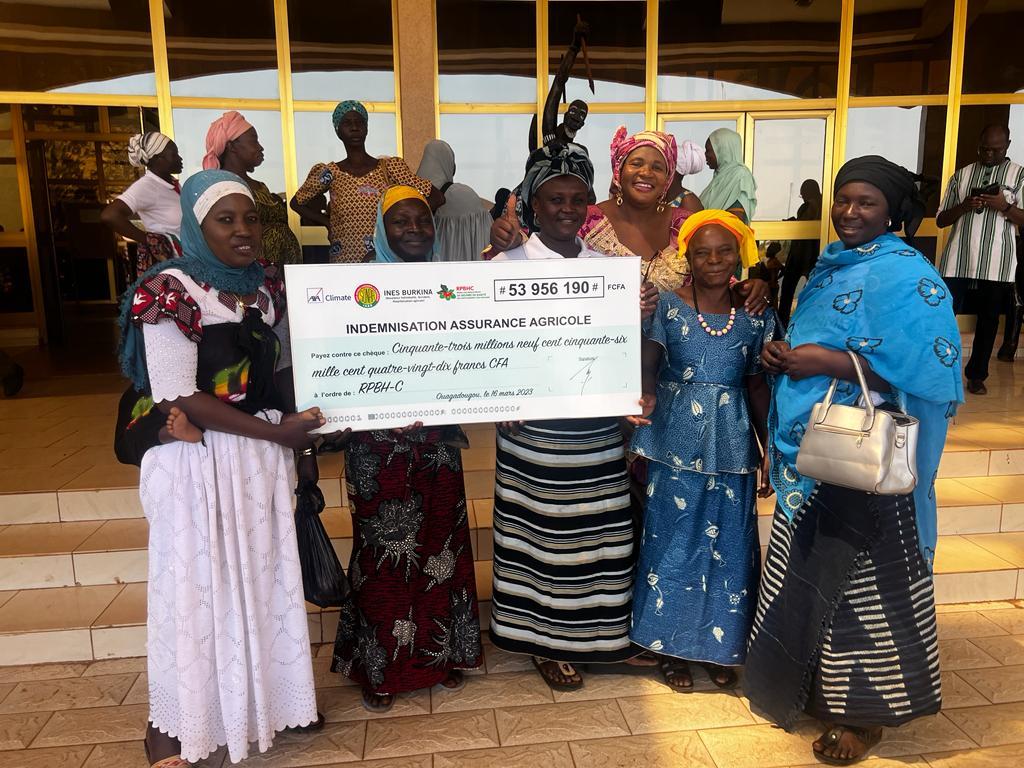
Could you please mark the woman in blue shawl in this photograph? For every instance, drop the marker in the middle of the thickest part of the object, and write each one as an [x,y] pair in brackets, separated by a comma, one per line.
[845,626]
[227,643]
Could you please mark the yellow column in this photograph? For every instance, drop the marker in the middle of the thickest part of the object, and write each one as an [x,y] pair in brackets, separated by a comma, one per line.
[160,68]
[956,77]
[28,220]
[651,68]
[842,108]
[284,87]
[416,85]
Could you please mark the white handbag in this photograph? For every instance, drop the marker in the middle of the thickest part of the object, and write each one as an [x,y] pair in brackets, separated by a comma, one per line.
[859,446]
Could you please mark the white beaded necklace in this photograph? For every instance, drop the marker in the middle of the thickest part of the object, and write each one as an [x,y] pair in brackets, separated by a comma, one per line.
[703,323]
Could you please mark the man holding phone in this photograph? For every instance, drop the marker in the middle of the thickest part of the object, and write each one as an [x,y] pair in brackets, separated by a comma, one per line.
[983,204]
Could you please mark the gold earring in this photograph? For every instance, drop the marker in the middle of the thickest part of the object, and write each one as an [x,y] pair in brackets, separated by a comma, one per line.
[661,206]
[618,199]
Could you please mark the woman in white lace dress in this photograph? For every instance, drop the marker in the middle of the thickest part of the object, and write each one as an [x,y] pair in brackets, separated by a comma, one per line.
[228,647]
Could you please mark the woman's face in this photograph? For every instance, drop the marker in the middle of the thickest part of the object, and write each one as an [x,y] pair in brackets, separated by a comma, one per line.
[410,230]
[560,207]
[709,155]
[644,176]
[352,129]
[247,150]
[167,163]
[860,213]
[232,230]
[714,255]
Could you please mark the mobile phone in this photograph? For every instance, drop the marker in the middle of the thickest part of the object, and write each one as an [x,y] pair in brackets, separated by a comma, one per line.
[991,189]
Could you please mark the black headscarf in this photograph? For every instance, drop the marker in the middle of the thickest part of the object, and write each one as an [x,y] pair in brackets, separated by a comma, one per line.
[546,163]
[896,183]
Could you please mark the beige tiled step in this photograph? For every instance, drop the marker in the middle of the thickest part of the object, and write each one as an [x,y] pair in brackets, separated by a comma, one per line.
[44,555]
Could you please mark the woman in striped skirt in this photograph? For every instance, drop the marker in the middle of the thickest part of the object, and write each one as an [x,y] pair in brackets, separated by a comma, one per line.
[845,624]
[563,525]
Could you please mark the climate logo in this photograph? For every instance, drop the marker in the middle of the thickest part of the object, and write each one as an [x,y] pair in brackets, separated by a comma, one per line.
[367,295]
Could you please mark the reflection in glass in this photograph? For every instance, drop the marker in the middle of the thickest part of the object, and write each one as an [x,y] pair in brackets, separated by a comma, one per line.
[341,50]
[786,154]
[488,165]
[973,120]
[596,136]
[190,126]
[616,48]
[15,284]
[747,49]
[316,142]
[486,51]
[10,203]
[991,63]
[50,45]
[60,118]
[222,48]
[697,131]
[913,137]
[901,51]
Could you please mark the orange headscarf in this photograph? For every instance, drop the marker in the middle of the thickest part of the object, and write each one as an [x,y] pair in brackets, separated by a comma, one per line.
[744,234]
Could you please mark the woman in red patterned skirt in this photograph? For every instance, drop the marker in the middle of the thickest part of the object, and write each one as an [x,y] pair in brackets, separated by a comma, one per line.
[411,620]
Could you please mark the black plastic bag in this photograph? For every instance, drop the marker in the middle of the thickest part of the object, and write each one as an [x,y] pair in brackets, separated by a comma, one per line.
[323,581]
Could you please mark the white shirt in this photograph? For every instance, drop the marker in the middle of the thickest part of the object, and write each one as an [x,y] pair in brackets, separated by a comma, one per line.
[155,202]
[533,248]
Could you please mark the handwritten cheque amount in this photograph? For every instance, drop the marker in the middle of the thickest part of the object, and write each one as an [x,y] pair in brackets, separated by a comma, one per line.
[377,346]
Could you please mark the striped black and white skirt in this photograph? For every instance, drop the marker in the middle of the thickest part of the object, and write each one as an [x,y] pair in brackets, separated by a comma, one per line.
[845,625]
[563,542]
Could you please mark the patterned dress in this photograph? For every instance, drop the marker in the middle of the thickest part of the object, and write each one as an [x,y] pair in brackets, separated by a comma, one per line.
[666,270]
[353,203]
[699,558]
[280,246]
[412,615]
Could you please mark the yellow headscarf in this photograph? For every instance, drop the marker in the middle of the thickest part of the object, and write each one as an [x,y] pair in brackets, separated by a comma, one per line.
[399,193]
[744,234]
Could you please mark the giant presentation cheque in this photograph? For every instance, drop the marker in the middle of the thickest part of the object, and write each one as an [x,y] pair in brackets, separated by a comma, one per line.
[386,345]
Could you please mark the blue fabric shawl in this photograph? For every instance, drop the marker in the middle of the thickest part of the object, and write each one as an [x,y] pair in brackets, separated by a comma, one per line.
[197,261]
[886,302]
[382,247]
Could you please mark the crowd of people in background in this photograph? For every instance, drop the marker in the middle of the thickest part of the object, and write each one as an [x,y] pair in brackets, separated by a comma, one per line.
[619,544]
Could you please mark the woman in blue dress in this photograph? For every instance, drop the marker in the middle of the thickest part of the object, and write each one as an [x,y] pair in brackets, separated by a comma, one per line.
[705,398]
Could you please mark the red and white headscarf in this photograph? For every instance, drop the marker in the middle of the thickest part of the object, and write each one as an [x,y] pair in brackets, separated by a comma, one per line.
[227,127]
[623,144]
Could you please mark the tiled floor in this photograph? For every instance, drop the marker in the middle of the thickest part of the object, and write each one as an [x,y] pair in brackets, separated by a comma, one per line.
[92,714]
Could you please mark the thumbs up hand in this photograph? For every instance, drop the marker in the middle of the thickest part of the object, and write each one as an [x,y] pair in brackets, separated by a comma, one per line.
[505,231]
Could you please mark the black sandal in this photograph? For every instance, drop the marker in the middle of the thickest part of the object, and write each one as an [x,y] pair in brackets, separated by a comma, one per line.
[677,674]
[869,737]
[724,678]
[566,670]
[458,681]
[378,703]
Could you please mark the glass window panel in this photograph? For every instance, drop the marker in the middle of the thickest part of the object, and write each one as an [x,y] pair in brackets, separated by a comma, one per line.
[118,173]
[190,126]
[914,137]
[124,119]
[746,49]
[61,118]
[214,48]
[973,120]
[698,131]
[486,51]
[616,48]
[487,165]
[84,45]
[596,136]
[786,153]
[15,284]
[343,49]
[992,64]
[316,142]
[901,48]
[10,202]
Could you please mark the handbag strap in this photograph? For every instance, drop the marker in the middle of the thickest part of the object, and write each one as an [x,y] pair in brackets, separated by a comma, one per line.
[865,393]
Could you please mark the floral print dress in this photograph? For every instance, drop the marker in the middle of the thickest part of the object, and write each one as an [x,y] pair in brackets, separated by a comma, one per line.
[412,614]
[697,575]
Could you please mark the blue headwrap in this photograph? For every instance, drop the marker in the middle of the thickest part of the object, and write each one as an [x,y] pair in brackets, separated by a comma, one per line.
[393,195]
[198,194]
[343,108]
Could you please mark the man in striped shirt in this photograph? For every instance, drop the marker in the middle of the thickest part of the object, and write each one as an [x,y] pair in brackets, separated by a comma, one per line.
[984,203]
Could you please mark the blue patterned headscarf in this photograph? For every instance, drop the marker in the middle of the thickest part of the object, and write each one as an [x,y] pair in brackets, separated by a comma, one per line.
[381,246]
[343,108]
[884,301]
[198,195]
